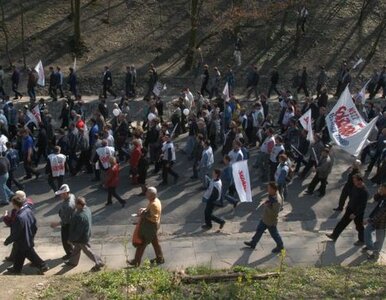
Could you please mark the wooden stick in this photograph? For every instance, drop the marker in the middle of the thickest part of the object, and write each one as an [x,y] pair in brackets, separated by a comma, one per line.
[226,277]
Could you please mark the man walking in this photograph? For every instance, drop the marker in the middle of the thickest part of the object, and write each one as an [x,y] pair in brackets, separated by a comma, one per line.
[168,159]
[274,82]
[376,222]
[355,210]
[66,212]
[56,167]
[23,232]
[27,152]
[79,236]
[107,83]
[212,197]
[53,85]
[252,82]
[269,220]
[15,79]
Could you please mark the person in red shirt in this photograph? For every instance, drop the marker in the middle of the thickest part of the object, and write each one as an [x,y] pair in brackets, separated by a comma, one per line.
[111,182]
[79,122]
[134,160]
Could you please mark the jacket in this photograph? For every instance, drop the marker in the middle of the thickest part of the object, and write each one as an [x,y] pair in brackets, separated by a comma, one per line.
[80,226]
[271,211]
[378,216]
[358,200]
[24,229]
[67,210]
[112,176]
[324,168]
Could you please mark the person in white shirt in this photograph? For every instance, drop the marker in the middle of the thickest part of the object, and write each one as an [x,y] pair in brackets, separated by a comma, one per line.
[206,163]
[168,159]
[102,159]
[236,154]
[188,99]
[277,149]
[56,168]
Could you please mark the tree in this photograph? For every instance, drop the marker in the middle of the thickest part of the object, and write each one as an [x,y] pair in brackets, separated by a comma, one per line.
[192,44]
[365,4]
[77,32]
[22,33]
[4,28]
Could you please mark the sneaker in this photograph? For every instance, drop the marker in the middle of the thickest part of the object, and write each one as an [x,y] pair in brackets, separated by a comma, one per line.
[331,237]
[206,227]
[359,243]
[222,225]
[365,249]
[66,257]
[158,261]
[277,249]
[337,209]
[307,192]
[12,270]
[132,262]
[108,203]
[44,269]
[373,256]
[8,258]
[27,177]
[250,245]
[97,268]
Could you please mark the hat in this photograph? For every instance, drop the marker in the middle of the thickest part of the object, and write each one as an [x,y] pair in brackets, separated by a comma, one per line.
[63,189]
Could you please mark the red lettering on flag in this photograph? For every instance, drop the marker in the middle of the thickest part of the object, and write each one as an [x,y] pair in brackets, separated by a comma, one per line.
[243,181]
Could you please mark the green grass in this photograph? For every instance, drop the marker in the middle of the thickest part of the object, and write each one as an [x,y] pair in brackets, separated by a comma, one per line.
[367,281]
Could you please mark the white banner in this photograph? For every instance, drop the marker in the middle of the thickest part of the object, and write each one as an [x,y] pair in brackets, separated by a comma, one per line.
[226,93]
[240,174]
[34,115]
[40,70]
[346,126]
[306,121]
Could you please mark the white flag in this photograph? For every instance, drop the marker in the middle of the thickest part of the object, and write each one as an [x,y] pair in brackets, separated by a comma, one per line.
[361,96]
[158,88]
[306,121]
[34,116]
[74,66]
[360,60]
[226,93]
[241,179]
[40,70]
[346,126]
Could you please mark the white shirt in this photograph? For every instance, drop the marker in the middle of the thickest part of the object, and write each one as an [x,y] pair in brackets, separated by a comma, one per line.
[104,154]
[57,162]
[214,184]
[234,155]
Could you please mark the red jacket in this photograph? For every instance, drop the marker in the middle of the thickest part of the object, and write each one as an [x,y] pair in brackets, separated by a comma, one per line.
[135,156]
[112,178]
[79,124]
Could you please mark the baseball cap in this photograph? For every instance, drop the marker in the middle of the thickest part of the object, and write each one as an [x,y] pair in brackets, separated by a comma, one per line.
[63,189]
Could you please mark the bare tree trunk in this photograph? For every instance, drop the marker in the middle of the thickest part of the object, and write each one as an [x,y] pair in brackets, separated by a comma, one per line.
[5,32]
[284,20]
[77,33]
[194,12]
[108,10]
[373,50]
[71,15]
[365,4]
[22,33]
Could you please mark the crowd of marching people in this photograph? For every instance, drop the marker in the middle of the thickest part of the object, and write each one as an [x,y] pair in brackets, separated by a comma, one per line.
[215,121]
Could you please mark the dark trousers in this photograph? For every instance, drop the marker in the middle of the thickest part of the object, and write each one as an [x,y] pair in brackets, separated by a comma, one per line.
[53,93]
[318,90]
[60,88]
[41,151]
[252,89]
[28,168]
[31,93]
[14,89]
[273,87]
[272,170]
[65,233]
[308,167]
[204,89]
[167,169]
[374,160]
[111,192]
[195,168]
[209,217]
[11,178]
[141,249]
[51,182]
[343,196]
[84,160]
[29,253]
[107,88]
[303,87]
[342,224]
[272,231]
[314,182]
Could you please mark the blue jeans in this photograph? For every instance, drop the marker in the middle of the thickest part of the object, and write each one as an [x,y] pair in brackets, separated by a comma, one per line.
[272,231]
[379,236]
[203,173]
[5,191]
[190,145]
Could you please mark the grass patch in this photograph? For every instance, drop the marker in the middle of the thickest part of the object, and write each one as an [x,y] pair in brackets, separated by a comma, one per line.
[365,281]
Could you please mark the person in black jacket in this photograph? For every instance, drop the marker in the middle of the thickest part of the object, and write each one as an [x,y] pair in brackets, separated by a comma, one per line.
[355,210]
[23,232]
[274,82]
[303,82]
[252,82]
[349,185]
[15,78]
[53,85]
[205,81]
[376,222]
[107,83]
[212,196]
